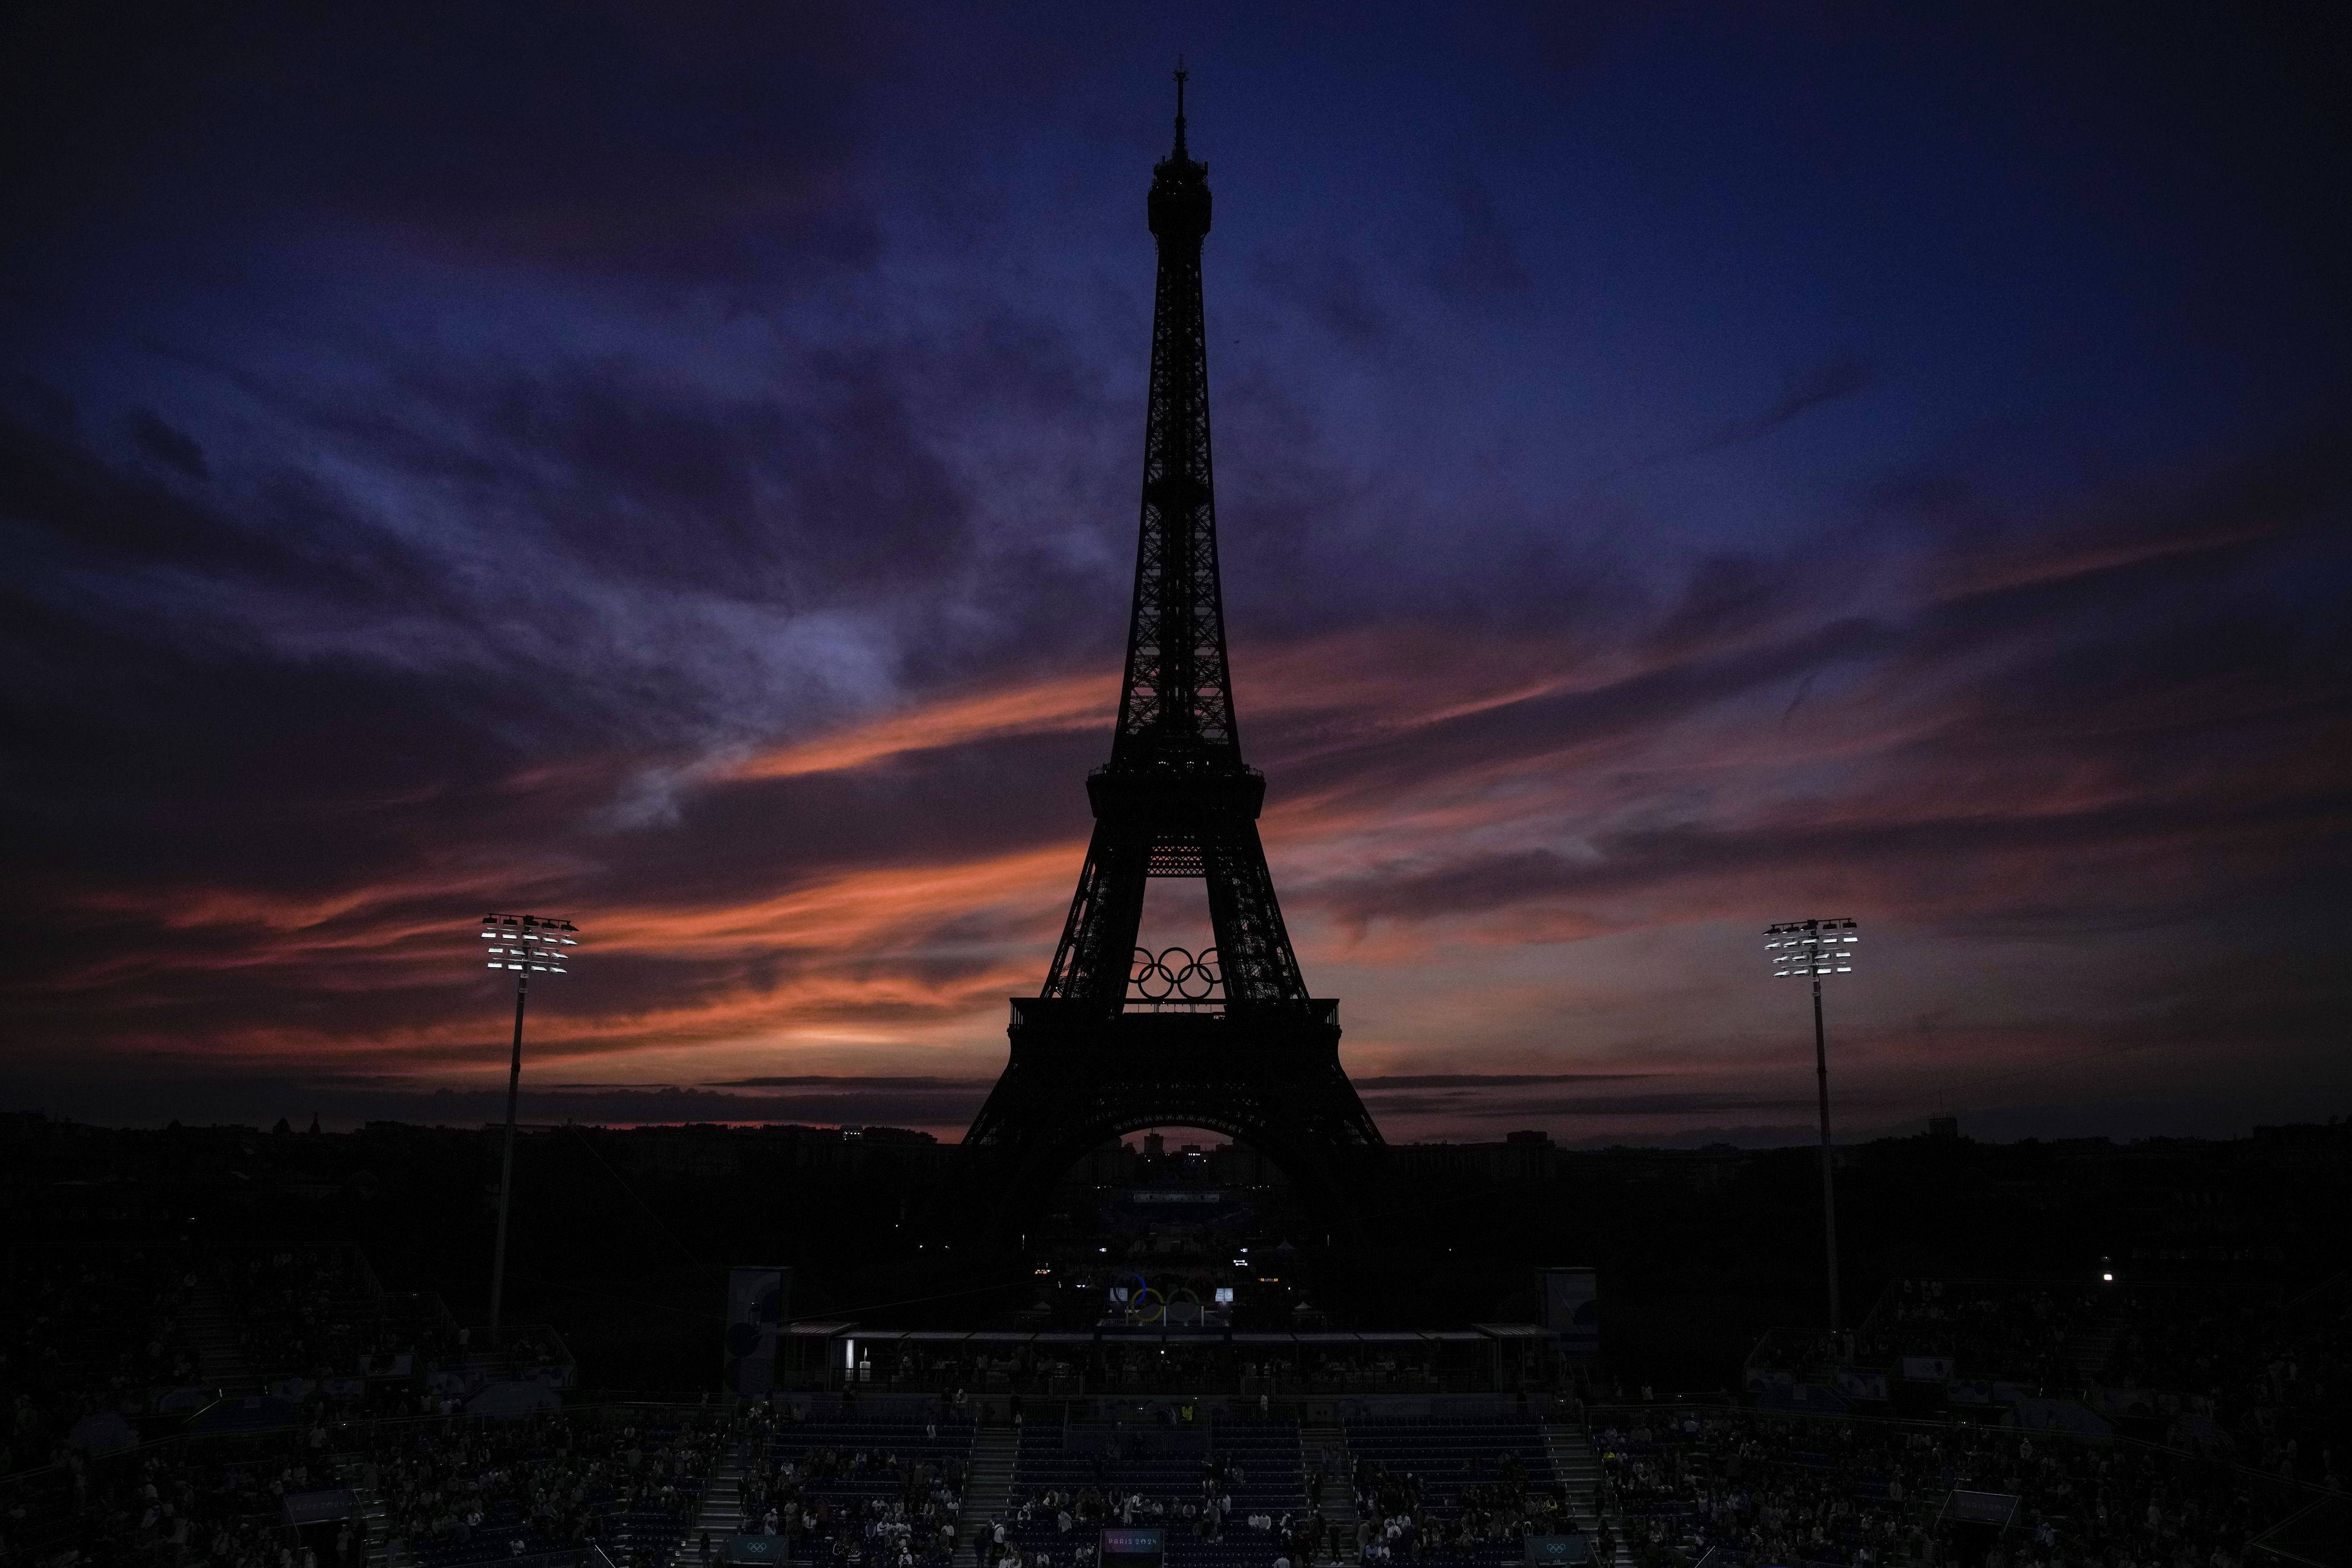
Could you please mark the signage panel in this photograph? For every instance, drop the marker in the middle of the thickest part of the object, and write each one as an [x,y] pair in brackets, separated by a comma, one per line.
[1131,1548]
[757,1303]
[1568,1302]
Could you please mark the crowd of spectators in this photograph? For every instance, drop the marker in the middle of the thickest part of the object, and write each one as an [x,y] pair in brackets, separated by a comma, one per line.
[1790,1489]
[2024,1332]
[880,1492]
[2275,1377]
[2267,1378]
[1230,1498]
[1435,1491]
[82,1333]
[177,1504]
[448,1493]
[315,1313]
[309,1310]
[456,1492]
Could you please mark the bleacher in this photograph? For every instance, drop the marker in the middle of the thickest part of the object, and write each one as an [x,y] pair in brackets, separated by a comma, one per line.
[2247,1368]
[1469,1487]
[163,1505]
[879,1485]
[1736,1487]
[1091,1473]
[464,1493]
[307,1311]
[85,1331]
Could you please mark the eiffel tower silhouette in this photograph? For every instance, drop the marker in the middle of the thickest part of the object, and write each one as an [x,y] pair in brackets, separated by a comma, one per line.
[1121,1038]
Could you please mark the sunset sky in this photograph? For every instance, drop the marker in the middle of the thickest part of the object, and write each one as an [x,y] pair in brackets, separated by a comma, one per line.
[1679,468]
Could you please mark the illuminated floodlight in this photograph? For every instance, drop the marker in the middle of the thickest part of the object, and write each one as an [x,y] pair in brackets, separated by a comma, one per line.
[522,945]
[528,944]
[1811,948]
[1807,950]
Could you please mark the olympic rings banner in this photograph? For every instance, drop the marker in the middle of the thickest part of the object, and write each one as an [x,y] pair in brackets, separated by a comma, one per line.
[1176,974]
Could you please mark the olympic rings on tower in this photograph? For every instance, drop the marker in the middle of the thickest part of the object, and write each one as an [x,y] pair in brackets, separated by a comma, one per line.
[1176,974]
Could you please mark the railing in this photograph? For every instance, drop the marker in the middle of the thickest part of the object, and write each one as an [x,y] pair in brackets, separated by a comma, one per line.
[1154,1381]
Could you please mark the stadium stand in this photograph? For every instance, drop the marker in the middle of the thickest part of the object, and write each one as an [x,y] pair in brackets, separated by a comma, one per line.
[316,1312]
[309,1310]
[2233,1369]
[220,1501]
[1456,1489]
[628,1480]
[2028,1331]
[883,1489]
[1732,1486]
[1229,1494]
[2141,1426]
[84,1335]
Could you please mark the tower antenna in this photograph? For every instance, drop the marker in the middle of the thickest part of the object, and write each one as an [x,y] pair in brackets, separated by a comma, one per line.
[1181,74]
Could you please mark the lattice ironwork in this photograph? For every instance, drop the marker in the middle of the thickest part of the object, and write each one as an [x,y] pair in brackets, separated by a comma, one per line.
[1176,801]
[1176,855]
[1176,706]
[1176,798]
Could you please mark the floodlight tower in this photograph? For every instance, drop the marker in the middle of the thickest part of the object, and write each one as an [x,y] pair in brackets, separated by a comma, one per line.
[526,944]
[1805,949]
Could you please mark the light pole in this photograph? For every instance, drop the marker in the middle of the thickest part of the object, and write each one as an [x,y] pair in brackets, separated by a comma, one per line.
[527,945]
[1809,949]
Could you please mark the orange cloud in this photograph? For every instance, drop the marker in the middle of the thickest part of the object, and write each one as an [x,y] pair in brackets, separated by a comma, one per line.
[1473,950]
[873,911]
[1059,705]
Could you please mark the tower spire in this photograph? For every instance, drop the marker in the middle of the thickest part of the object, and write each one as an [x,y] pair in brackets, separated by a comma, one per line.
[1181,74]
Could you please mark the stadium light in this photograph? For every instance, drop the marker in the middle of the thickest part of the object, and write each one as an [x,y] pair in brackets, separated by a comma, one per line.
[523,946]
[1807,950]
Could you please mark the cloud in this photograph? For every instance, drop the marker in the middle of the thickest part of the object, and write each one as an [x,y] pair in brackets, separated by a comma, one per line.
[666,143]
[171,447]
[1541,1108]
[1077,705]
[807,1080]
[870,890]
[1840,376]
[1484,261]
[1329,287]
[1826,383]
[1485,1080]
[679,471]
[942,1107]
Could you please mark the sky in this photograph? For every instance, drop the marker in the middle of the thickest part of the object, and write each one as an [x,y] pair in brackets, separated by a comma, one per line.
[1679,468]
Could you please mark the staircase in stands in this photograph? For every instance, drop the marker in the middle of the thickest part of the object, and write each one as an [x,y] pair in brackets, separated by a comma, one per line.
[220,1358]
[352,1471]
[2090,1353]
[1573,1461]
[1339,1505]
[987,1489]
[721,1513]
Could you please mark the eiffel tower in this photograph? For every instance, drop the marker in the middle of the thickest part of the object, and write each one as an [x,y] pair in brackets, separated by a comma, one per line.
[1120,1037]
